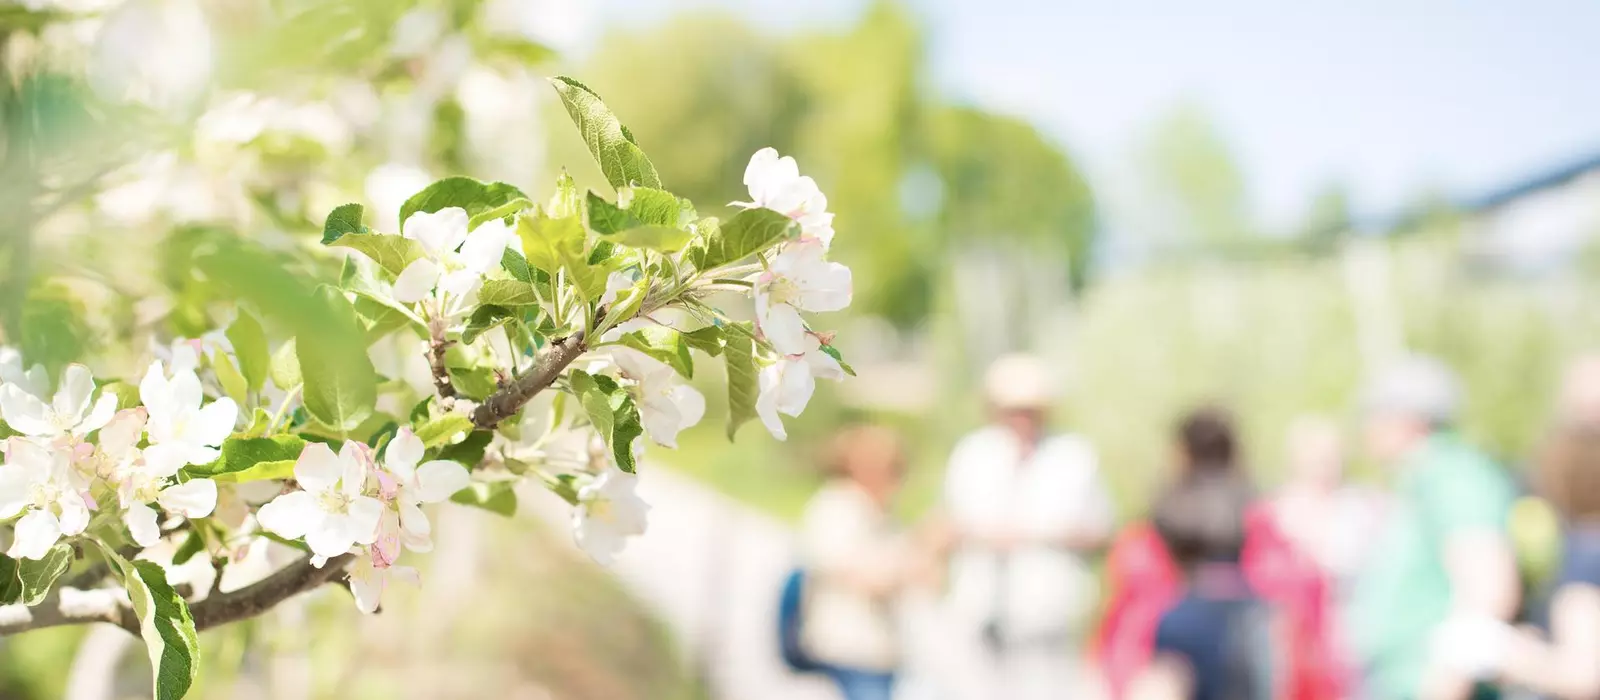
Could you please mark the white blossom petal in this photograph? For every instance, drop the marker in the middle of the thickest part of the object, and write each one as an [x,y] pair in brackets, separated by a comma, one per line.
[291,515]
[783,327]
[364,514]
[414,528]
[15,490]
[195,498]
[403,454]
[486,245]
[439,232]
[318,468]
[104,408]
[141,522]
[34,535]
[417,281]
[72,397]
[24,412]
[74,517]
[214,423]
[440,479]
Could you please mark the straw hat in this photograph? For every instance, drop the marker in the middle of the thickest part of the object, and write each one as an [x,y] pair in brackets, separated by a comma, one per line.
[1019,381]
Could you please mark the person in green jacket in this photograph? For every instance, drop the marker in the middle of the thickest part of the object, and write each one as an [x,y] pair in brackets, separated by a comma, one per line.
[1444,554]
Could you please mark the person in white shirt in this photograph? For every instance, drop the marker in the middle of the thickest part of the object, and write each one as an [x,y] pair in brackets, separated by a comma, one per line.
[1025,507]
[857,564]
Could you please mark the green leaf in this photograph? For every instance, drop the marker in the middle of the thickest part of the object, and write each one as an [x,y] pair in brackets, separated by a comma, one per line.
[663,238]
[166,626]
[495,496]
[749,232]
[606,218]
[391,252]
[341,386]
[500,212]
[472,195]
[659,207]
[475,383]
[27,581]
[233,383]
[612,412]
[612,145]
[344,219]
[664,344]
[127,394]
[509,293]
[560,244]
[739,351]
[260,471]
[250,346]
[240,455]
[484,319]
[285,371]
[834,353]
[194,544]
[443,430]
[707,340]
[469,452]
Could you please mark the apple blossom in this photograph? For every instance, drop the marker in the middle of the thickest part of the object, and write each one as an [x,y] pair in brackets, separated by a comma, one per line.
[152,480]
[798,279]
[776,183]
[456,273]
[608,512]
[35,480]
[666,404]
[69,412]
[35,380]
[330,511]
[178,419]
[407,485]
[786,386]
[370,576]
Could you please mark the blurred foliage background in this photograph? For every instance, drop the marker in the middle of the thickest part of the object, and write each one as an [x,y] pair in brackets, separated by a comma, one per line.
[970,232]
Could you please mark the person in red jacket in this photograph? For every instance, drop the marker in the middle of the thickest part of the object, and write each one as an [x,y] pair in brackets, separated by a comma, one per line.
[1145,582]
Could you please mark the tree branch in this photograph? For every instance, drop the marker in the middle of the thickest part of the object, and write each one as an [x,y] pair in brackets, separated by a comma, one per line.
[70,606]
[441,373]
[550,364]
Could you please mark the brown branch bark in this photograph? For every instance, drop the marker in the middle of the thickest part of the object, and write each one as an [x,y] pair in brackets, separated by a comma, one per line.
[70,606]
[441,373]
[550,364]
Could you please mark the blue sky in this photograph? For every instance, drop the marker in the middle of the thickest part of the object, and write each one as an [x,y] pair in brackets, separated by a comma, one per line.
[1391,98]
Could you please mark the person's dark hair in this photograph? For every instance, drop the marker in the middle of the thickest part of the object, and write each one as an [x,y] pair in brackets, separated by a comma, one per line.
[1201,518]
[1207,439]
[1569,472]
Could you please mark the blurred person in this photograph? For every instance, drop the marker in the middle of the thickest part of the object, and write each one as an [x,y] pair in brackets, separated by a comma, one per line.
[1444,560]
[1151,575]
[1219,628]
[1325,518]
[1025,507]
[1561,659]
[856,563]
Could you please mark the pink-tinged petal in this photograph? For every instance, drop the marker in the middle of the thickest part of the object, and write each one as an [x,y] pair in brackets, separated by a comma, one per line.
[195,498]
[364,514]
[72,397]
[24,412]
[34,535]
[122,432]
[104,408]
[386,548]
[318,468]
[291,515]
[213,423]
[417,281]
[440,479]
[784,328]
[141,522]
[404,574]
[403,453]
[414,528]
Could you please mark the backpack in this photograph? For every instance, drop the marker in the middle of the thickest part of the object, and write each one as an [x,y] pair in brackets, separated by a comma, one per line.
[790,603]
